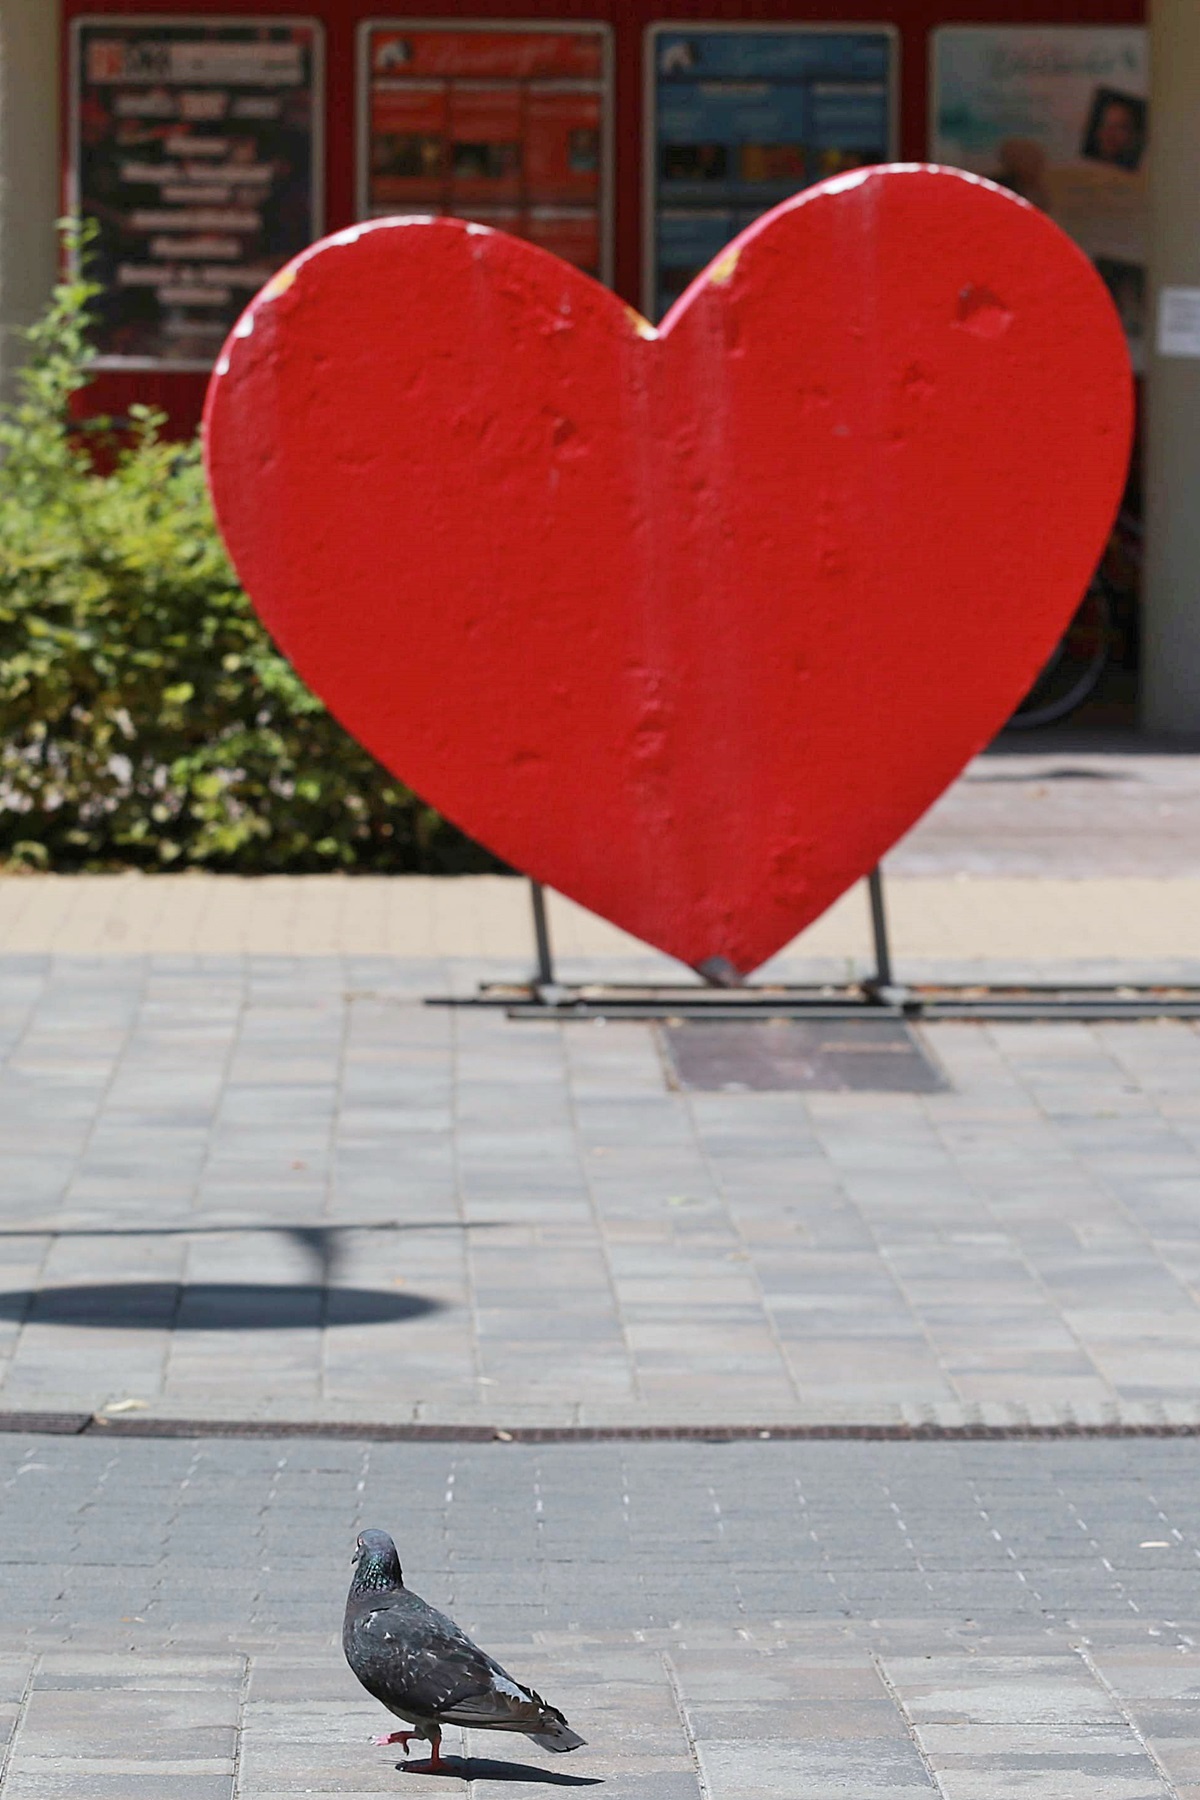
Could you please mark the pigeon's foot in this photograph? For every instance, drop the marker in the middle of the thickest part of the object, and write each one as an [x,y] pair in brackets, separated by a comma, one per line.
[403,1738]
[435,1765]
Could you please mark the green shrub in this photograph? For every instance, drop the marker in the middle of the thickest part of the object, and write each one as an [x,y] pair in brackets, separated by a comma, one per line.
[145,717]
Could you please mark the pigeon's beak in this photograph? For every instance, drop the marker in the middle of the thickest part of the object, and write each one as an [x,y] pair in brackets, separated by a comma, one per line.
[356,1556]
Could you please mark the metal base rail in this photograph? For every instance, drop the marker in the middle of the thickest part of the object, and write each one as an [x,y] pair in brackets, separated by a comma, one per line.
[1097,1005]
[880,996]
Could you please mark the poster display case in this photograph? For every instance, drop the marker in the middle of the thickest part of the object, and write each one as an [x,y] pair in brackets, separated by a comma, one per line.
[196,147]
[1059,114]
[739,117]
[508,125]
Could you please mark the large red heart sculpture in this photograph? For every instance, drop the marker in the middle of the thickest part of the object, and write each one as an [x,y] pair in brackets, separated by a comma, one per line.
[690,624]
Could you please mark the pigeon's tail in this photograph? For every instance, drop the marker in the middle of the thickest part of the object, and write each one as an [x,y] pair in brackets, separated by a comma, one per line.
[557,1736]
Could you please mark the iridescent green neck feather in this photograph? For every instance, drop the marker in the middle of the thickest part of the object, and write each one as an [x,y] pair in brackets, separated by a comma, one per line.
[377,1568]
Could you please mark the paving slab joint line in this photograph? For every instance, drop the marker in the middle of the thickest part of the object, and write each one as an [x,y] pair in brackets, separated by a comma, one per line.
[1151,1755]
[672,1675]
[19,1720]
[894,1695]
[239,1735]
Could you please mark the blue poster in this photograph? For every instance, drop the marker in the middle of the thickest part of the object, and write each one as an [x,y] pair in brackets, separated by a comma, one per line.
[745,118]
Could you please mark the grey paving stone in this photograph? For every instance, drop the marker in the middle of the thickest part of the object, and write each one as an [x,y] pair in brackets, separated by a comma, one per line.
[599,1248]
[103,1726]
[1040,1725]
[780,1618]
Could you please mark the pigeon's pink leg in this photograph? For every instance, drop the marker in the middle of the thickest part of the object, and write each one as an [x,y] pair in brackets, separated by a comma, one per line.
[403,1738]
[435,1753]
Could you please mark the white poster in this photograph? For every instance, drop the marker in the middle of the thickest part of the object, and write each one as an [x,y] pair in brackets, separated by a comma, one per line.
[1058,114]
[1179,321]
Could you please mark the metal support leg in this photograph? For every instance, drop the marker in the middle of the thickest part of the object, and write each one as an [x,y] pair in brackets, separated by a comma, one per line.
[882,988]
[879,930]
[544,973]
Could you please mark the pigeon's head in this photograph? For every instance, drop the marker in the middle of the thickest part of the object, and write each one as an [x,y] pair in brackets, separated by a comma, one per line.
[378,1564]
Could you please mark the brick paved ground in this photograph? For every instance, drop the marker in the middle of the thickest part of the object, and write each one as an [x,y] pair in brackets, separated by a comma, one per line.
[801,1620]
[534,1227]
[245,1172]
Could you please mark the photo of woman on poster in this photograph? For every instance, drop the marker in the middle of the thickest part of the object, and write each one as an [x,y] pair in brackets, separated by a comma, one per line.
[1116,130]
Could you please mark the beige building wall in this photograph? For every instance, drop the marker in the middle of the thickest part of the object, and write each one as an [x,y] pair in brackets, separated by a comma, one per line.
[1171,588]
[30,198]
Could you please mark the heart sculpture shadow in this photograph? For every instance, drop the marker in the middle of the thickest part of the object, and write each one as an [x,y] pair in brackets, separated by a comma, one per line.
[692,623]
[209,1306]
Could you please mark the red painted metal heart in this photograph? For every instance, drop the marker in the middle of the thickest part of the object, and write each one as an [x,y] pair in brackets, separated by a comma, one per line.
[691,624]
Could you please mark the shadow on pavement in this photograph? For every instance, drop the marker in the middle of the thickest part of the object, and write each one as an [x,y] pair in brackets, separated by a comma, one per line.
[210,1306]
[322,1243]
[481,1768]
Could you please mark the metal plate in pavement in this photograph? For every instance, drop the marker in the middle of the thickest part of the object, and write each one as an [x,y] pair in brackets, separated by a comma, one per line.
[789,1055]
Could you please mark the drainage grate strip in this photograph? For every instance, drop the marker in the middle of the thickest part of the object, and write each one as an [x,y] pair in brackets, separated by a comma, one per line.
[37,1424]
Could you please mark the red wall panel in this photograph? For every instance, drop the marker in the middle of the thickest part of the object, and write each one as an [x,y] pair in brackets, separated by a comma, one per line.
[182,394]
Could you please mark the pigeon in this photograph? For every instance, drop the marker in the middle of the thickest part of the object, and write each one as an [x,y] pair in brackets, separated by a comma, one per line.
[425,1670]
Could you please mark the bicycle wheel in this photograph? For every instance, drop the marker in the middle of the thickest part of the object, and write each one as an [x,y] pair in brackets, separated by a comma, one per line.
[1075,667]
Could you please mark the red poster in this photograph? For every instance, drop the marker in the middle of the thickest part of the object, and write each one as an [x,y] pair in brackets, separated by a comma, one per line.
[475,55]
[501,126]
[408,143]
[500,218]
[570,232]
[485,143]
[562,144]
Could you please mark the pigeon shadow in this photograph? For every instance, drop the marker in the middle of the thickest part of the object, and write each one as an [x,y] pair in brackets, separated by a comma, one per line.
[210,1306]
[483,1768]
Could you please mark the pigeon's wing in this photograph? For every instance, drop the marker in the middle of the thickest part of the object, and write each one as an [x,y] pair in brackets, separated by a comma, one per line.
[418,1659]
[502,1704]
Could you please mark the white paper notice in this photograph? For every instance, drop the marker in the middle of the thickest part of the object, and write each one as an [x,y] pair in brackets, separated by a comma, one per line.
[1179,321]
